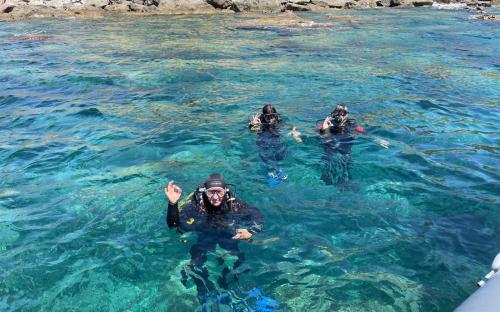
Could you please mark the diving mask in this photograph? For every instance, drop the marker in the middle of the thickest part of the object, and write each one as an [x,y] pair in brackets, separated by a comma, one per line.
[215,191]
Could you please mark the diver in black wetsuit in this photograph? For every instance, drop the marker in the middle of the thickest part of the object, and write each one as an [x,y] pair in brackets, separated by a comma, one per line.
[272,150]
[217,218]
[337,132]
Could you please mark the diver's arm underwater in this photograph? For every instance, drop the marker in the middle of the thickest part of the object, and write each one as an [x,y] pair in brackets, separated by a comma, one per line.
[249,219]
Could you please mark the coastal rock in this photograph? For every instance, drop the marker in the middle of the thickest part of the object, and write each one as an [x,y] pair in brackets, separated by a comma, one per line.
[117,7]
[44,3]
[418,3]
[96,3]
[23,10]
[335,4]
[221,4]
[14,9]
[144,8]
[134,7]
[7,8]
[367,4]
[183,5]
[300,2]
[410,3]
[43,9]
[480,3]
[285,20]
[297,7]
[257,5]
[486,17]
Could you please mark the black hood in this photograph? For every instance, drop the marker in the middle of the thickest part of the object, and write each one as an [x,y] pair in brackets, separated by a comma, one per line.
[215,180]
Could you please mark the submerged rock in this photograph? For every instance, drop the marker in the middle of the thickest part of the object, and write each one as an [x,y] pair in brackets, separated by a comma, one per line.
[90,112]
[286,20]
[34,37]
[486,17]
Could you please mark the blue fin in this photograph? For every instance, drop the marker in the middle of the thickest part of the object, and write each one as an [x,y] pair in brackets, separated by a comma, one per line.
[275,179]
[262,303]
[212,301]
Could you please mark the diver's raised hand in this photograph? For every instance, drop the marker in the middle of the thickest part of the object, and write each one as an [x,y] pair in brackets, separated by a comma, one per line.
[242,234]
[327,123]
[256,120]
[173,192]
[296,134]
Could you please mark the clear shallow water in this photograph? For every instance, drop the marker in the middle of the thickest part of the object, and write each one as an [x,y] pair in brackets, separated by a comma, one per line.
[95,121]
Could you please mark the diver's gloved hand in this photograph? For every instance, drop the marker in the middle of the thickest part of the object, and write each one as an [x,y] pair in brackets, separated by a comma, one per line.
[242,234]
[173,192]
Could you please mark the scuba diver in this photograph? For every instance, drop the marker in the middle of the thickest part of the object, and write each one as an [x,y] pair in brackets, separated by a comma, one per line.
[272,150]
[217,217]
[338,138]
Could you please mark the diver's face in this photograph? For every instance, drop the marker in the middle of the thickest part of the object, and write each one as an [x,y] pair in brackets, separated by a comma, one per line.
[215,195]
[339,117]
[271,118]
[340,120]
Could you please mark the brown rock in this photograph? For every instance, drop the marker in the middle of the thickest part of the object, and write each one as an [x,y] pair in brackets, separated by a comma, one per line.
[285,20]
[96,3]
[117,7]
[221,4]
[486,17]
[419,3]
[258,5]
[335,4]
[296,7]
[134,7]
[7,8]
[183,4]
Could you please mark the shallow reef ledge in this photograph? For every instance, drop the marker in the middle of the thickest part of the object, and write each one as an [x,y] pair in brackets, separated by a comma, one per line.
[21,9]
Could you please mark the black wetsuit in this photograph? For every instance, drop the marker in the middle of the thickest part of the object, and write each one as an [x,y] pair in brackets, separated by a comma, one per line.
[213,225]
[337,144]
[272,150]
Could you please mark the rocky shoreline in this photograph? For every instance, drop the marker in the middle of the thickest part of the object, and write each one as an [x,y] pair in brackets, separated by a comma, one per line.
[21,9]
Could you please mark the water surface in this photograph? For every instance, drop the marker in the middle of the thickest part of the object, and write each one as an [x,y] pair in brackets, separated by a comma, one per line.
[97,118]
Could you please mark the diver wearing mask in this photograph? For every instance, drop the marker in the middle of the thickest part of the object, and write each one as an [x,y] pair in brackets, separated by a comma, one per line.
[337,143]
[217,217]
[272,149]
[267,120]
[338,122]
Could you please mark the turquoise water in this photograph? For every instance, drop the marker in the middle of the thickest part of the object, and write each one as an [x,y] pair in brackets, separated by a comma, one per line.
[97,118]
